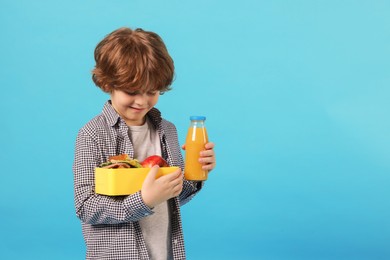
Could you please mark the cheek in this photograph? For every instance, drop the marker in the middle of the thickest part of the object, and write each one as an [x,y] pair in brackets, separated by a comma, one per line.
[153,101]
[122,100]
[127,101]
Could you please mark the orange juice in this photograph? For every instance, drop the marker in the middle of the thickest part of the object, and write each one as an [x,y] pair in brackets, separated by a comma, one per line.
[195,143]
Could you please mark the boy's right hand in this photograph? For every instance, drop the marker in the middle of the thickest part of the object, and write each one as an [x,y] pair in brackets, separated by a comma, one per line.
[155,191]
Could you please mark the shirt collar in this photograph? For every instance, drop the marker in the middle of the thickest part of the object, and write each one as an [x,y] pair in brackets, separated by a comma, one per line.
[109,112]
[155,117]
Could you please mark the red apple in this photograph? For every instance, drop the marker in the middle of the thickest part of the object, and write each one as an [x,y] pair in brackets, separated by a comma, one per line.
[154,160]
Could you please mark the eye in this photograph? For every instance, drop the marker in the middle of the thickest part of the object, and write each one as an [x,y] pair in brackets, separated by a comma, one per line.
[132,93]
[151,93]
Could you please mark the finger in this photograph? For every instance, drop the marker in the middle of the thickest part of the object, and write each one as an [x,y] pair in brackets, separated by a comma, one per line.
[178,188]
[209,145]
[178,177]
[151,176]
[178,181]
[208,167]
[207,160]
[171,176]
[207,153]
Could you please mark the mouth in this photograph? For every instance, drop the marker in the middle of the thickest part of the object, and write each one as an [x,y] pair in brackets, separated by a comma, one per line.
[137,109]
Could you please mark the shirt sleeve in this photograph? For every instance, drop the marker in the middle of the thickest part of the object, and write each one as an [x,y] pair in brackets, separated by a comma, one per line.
[190,189]
[93,208]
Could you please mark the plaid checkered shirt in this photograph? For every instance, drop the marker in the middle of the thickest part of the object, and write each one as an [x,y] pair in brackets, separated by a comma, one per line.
[110,223]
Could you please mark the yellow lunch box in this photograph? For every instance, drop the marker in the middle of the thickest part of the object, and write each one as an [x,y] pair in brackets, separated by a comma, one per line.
[124,181]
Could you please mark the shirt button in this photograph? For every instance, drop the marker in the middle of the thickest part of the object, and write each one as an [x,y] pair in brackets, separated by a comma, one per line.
[175,241]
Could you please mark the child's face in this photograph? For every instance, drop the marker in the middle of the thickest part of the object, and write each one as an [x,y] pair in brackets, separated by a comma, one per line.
[133,106]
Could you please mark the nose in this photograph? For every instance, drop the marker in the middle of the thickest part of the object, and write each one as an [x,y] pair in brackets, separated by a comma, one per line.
[141,99]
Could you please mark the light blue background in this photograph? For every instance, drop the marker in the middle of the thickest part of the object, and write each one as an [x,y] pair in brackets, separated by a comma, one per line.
[296,95]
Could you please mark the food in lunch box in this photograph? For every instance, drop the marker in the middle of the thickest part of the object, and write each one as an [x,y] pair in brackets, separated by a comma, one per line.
[154,160]
[125,161]
[121,161]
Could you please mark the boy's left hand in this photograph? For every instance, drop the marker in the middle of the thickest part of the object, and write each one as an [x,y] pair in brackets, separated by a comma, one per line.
[207,157]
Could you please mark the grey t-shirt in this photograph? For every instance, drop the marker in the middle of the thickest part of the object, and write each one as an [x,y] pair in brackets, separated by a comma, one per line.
[155,228]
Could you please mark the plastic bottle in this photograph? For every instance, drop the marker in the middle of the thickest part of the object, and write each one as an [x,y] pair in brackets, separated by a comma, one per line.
[195,143]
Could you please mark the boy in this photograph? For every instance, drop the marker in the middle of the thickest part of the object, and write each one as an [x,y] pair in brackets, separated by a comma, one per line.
[134,67]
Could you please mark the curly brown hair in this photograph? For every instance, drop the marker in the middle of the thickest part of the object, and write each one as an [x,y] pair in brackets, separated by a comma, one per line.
[133,60]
